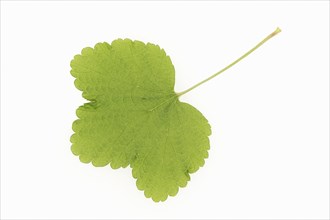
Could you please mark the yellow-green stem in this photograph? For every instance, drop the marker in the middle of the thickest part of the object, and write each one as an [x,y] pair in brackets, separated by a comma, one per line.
[278,30]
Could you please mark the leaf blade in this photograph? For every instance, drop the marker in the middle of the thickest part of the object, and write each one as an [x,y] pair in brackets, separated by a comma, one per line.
[134,117]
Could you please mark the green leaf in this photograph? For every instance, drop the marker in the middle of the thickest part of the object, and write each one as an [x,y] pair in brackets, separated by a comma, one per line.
[134,117]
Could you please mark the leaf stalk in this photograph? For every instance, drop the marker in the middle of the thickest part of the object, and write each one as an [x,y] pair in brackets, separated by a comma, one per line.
[278,30]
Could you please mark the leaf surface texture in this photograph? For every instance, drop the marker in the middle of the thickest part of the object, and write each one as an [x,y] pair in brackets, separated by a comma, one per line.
[135,118]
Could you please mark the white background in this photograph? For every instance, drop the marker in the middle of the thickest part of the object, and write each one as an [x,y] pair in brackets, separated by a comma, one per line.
[269,154]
